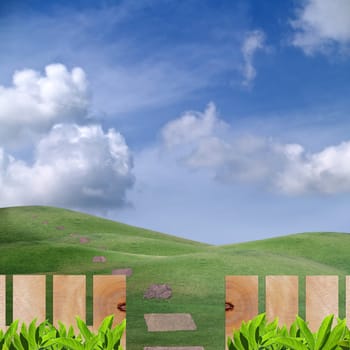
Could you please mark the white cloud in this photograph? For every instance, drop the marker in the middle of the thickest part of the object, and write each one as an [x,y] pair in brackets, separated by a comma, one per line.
[204,141]
[35,102]
[327,171]
[322,23]
[198,142]
[75,166]
[254,41]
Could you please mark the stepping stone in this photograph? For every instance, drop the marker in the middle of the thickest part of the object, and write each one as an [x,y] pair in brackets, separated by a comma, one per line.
[99,259]
[173,348]
[169,322]
[158,291]
[84,240]
[126,272]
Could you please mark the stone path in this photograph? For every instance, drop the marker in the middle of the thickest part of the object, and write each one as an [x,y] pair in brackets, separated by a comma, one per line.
[169,322]
[173,348]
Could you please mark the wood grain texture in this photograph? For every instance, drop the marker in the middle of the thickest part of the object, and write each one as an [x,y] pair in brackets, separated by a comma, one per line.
[109,294]
[2,301]
[242,293]
[347,302]
[69,299]
[321,299]
[282,298]
[29,298]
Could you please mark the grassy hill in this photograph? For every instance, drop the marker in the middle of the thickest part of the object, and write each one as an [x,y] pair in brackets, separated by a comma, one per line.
[46,240]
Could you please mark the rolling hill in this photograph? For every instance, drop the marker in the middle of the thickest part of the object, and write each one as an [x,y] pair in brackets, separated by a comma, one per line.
[47,240]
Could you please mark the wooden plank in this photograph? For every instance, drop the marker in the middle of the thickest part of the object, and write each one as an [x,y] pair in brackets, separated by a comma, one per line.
[282,300]
[241,301]
[321,299]
[109,297]
[347,293]
[69,299]
[2,302]
[29,298]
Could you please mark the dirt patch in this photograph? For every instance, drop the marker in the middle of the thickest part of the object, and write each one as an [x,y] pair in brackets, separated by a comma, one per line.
[158,291]
[45,222]
[126,272]
[99,259]
[59,227]
[84,240]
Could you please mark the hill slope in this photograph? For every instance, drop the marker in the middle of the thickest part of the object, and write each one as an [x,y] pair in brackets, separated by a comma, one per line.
[47,240]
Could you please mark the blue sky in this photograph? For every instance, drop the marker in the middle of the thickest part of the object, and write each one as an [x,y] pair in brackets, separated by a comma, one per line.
[218,121]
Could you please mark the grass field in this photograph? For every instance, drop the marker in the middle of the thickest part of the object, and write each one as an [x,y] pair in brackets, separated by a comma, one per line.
[40,240]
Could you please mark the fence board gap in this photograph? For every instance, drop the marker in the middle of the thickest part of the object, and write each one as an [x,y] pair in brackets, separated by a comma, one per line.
[69,299]
[341,292]
[262,294]
[2,301]
[9,298]
[49,301]
[347,301]
[321,299]
[282,299]
[29,298]
[89,306]
[241,301]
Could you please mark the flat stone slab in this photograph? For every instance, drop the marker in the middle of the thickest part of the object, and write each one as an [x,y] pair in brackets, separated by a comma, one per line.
[173,348]
[126,272]
[169,322]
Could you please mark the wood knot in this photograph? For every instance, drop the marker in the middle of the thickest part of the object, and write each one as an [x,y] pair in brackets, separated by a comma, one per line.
[229,306]
[121,307]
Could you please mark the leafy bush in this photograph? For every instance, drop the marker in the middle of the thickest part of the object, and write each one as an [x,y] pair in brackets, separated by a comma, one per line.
[46,336]
[257,334]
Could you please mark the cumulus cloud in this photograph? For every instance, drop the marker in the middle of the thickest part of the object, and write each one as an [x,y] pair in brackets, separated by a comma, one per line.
[320,25]
[327,171]
[35,102]
[75,166]
[287,168]
[254,41]
[204,141]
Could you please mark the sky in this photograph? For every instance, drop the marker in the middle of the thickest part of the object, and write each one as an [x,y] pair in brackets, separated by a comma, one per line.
[218,121]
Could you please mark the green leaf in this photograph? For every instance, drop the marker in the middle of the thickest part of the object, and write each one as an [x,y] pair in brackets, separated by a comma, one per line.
[293,343]
[33,334]
[237,341]
[336,336]
[324,331]
[84,330]
[305,331]
[106,324]
[17,342]
[70,343]
[62,329]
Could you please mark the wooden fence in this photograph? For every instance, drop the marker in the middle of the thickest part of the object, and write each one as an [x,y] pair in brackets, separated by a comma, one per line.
[109,297]
[69,299]
[282,299]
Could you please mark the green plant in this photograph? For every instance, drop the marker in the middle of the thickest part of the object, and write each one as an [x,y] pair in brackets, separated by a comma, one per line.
[46,336]
[256,334]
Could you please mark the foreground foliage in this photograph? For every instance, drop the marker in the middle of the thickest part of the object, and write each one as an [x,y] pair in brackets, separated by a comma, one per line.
[257,334]
[46,336]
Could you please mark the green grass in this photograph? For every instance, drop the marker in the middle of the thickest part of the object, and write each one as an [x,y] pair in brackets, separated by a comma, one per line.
[194,270]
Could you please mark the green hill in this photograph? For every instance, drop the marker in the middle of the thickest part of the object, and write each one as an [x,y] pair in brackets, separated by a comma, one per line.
[47,240]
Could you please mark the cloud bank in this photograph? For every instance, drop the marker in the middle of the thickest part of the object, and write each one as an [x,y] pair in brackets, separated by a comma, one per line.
[204,141]
[35,102]
[74,165]
[322,25]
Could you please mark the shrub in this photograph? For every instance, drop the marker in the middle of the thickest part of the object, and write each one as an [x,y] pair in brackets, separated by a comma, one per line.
[46,336]
[257,334]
